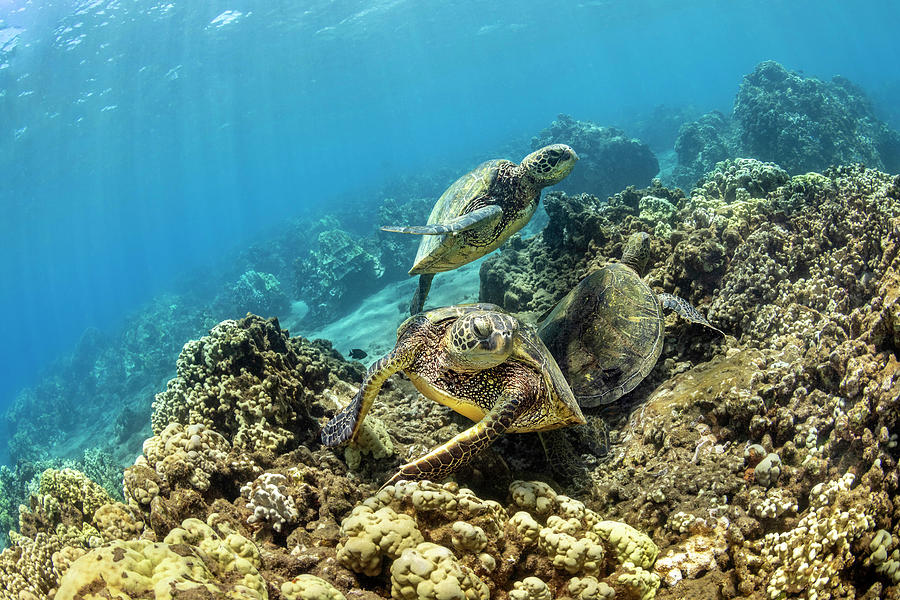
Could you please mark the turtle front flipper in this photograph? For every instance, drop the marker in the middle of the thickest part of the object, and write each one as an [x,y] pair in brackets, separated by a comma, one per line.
[345,425]
[453,226]
[686,310]
[448,457]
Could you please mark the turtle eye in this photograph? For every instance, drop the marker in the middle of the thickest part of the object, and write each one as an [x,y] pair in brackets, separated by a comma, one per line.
[482,328]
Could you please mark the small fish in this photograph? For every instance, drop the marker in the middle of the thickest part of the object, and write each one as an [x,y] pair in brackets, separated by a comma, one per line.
[358,354]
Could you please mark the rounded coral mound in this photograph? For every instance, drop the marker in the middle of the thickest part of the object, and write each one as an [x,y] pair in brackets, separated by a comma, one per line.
[192,562]
[805,124]
[443,541]
[250,382]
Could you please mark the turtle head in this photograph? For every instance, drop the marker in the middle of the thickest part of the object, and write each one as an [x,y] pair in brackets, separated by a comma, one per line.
[637,252]
[480,340]
[550,164]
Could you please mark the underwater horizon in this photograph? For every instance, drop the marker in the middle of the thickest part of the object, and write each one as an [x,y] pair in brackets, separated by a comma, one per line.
[177,174]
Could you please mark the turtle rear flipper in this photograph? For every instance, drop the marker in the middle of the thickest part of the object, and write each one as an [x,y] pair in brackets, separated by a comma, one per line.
[560,448]
[453,226]
[418,300]
[686,310]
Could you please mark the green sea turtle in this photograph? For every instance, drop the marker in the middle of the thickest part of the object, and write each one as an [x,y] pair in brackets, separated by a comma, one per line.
[481,210]
[481,362]
[607,333]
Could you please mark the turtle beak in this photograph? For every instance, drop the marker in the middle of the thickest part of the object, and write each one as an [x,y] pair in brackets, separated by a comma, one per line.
[501,340]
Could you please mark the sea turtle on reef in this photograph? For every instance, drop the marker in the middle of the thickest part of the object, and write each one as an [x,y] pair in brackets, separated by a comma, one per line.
[481,362]
[607,333]
[481,210]
[597,344]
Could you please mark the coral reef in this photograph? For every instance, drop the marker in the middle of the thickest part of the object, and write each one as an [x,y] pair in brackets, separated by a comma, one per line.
[345,265]
[117,373]
[582,232]
[805,124]
[338,273]
[659,129]
[609,160]
[548,545]
[802,272]
[192,559]
[255,292]
[759,466]
[700,145]
[801,123]
[250,382]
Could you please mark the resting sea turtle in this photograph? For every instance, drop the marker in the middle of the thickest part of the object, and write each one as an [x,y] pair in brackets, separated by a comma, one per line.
[481,210]
[481,362]
[607,333]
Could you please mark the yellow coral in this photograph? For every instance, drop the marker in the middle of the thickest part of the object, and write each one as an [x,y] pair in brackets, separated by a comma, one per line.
[74,488]
[569,553]
[627,543]
[530,588]
[468,537]
[374,440]
[309,587]
[431,572]
[526,526]
[590,588]
[642,583]
[117,522]
[534,496]
[189,454]
[373,535]
[27,567]
[203,563]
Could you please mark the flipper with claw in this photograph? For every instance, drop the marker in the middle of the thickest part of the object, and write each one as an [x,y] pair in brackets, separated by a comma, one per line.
[344,426]
[454,226]
[448,457]
[686,310]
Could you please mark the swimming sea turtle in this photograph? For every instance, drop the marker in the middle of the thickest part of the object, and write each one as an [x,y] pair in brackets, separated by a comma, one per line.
[481,210]
[607,333]
[481,362]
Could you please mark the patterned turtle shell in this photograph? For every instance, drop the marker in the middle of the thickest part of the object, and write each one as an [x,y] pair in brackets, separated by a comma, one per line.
[606,334]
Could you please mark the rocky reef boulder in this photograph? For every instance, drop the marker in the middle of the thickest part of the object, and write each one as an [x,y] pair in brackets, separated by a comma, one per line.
[610,160]
[248,381]
[700,145]
[345,266]
[340,271]
[805,124]
[255,292]
[801,123]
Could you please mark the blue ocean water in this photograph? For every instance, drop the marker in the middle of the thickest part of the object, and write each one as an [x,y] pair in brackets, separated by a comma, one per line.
[142,140]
